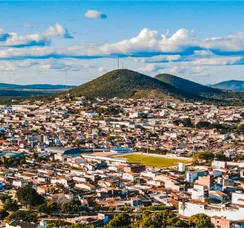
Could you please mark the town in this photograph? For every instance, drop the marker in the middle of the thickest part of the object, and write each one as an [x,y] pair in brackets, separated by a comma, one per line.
[78,162]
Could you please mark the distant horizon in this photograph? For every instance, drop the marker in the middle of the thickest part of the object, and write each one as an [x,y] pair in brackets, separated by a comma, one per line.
[75,85]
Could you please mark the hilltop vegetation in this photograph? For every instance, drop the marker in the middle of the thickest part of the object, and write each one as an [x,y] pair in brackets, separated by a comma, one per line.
[127,84]
[130,84]
[187,85]
[201,90]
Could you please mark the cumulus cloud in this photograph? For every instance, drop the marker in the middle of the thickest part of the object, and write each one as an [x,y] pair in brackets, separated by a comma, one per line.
[159,59]
[147,47]
[61,66]
[183,42]
[149,68]
[64,65]
[14,40]
[94,14]
[101,69]
[14,65]
[43,39]
[182,70]
[57,30]
[216,61]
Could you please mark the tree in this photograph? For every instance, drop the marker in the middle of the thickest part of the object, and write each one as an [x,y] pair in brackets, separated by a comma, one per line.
[27,216]
[220,156]
[205,155]
[200,221]
[240,128]
[47,207]
[62,223]
[183,205]
[119,220]
[29,197]
[203,124]
[71,207]
[3,214]
[10,205]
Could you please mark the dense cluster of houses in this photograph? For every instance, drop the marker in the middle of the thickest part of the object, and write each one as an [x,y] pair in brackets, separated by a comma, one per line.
[57,145]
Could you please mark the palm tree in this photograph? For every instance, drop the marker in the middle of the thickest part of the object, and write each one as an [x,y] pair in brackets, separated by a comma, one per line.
[183,205]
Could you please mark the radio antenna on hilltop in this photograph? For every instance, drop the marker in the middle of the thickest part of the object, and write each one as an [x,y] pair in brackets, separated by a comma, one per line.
[118,62]
[122,64]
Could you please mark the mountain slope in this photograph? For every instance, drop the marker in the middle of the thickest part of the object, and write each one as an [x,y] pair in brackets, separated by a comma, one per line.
[188,85]
[234,85]
[129,84]
[221,96]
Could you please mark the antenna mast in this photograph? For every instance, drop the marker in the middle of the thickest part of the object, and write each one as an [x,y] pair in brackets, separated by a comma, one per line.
[118,62]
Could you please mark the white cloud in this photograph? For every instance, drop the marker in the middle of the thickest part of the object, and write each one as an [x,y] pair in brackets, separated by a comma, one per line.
[65,65]
[149,68]
[188,71]
[147,47]
[94,14]
[55,31]
[182,41]
[43,39]
[176,70]
[159,59]
[101,69]
[15,40]
[182,34]
[216,61]
[14,65]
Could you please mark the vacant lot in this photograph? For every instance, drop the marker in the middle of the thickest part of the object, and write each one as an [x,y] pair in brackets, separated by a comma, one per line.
[153,161]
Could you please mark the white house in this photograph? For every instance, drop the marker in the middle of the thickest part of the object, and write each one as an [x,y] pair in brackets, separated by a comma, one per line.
[195,207]
[238,198]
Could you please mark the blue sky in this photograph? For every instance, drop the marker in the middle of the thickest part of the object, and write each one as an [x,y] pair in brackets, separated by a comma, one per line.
[41,40]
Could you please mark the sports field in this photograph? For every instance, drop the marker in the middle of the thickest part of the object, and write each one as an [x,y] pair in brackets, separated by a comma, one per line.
[153,161]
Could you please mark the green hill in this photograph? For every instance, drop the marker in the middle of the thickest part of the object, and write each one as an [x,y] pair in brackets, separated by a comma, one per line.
[201,90]
[130,84]
[234,85]
[187,85]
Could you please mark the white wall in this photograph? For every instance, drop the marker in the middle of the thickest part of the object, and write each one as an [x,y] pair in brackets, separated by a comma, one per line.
[192,209]
[236,197]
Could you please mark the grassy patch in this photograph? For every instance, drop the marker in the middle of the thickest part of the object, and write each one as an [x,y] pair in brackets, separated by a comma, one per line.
[153,161]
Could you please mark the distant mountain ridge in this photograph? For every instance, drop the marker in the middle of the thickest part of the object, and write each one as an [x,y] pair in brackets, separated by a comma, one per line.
[125,83]
[234,85]
[35,86]
[21,91]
